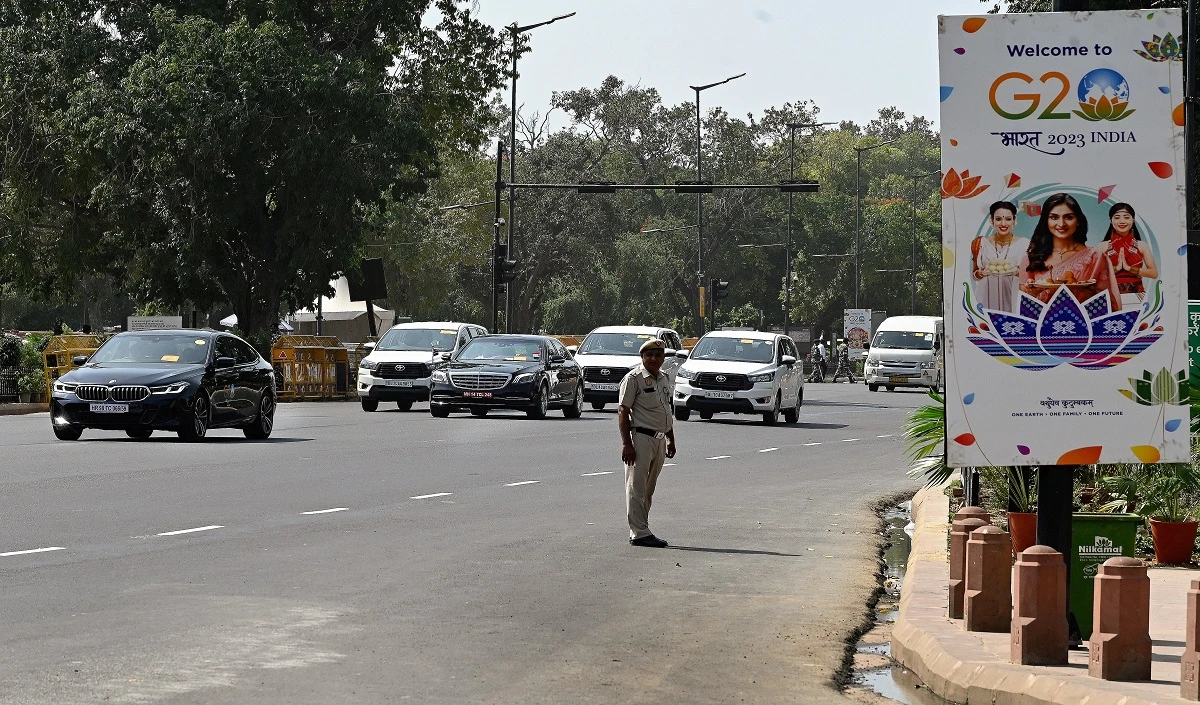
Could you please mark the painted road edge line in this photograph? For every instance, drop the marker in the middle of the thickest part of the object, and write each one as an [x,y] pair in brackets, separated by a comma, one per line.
[591,474]
[719,457]
[33,550]
[886,435]
[850,440]
[328,511]
[435,494]
[191,531]
[523,482]
[817,443]
[768,450]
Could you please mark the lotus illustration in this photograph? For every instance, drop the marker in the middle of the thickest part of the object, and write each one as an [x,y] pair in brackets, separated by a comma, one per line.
[1158,389]
[964,186]
[1103,95]
[1161,49]
[1086,335]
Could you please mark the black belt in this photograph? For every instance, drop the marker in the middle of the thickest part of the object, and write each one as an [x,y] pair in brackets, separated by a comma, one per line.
[646,431]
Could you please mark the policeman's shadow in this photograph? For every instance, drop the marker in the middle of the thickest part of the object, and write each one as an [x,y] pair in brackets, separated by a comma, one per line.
[733,550]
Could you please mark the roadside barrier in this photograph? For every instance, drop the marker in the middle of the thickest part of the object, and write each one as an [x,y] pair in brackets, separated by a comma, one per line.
[335,378]
[57,357]
[299,359]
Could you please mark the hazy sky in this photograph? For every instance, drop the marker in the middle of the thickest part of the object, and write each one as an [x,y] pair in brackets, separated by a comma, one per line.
[851,57]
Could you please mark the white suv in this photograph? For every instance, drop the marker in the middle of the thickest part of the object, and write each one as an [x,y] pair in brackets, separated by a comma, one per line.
[608,353]
[399,366]
[744,372]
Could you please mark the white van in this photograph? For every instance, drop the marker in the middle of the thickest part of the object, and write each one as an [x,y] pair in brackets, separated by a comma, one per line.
[905,352]
[609,352]
[743,372]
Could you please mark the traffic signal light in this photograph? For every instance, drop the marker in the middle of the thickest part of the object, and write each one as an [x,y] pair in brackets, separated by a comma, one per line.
[504,266]
[720,290]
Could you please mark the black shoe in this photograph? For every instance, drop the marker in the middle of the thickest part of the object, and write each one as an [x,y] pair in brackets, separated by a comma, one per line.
[650,541]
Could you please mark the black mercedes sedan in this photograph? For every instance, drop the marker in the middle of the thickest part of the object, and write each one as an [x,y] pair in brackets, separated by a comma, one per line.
[186,381]
[532,373]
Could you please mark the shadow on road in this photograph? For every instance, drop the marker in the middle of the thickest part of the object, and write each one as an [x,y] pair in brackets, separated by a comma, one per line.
[755,422]
[207,439]
[733,550]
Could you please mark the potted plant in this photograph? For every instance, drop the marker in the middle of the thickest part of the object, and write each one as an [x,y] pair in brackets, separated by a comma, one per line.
[31,384]
[1169,501]
[1022,522]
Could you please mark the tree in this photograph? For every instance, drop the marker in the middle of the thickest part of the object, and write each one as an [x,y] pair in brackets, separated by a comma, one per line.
[233,151]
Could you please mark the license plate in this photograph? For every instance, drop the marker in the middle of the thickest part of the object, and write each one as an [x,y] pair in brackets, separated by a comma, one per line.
[397,382]
[477,395]
[720,395]
[109,408]
[897,379]
[602,386]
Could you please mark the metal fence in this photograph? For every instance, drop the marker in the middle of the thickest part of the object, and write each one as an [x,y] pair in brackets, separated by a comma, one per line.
[8,384]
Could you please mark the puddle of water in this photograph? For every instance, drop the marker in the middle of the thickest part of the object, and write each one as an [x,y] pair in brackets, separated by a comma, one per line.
[899,684]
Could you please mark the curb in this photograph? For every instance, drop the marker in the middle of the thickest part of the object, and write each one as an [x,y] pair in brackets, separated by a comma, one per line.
[956,664]
[18,409]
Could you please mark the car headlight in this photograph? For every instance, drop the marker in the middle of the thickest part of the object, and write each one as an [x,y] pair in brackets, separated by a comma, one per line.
[524,377]
[440,376]
[368,364]
[764,377]
[174,388]
[689,375]
[64,387]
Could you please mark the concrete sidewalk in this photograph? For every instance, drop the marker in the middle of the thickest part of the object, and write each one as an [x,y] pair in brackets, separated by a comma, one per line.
[973,667]
[7,409]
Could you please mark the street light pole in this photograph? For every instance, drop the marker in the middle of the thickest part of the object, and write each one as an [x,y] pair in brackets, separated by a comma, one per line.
[858,218]
[915,178]
[700,205]
[514,31]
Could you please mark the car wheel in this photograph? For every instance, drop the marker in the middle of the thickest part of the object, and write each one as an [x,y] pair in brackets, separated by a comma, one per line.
[575,410]
[541,404]
[480,412]
[369,404]
[139,434]
[598,405]
[404,405]
[264,423]
[193,422]
[792,415]
[873,387]
[439,410]
[772,416]
[67,432]
[706,415]
[891,387]
[682,413]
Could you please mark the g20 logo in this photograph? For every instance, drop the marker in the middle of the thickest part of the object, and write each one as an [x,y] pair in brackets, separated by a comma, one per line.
[1103,94]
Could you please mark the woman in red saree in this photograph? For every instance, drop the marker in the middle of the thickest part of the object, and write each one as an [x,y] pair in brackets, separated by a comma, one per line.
[1058,255]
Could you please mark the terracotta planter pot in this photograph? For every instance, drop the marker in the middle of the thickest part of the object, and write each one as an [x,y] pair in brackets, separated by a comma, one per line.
[1173,541]
[1022,526]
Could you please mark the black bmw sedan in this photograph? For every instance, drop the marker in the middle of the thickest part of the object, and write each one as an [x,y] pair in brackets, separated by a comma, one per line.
[186,381]
[532,373]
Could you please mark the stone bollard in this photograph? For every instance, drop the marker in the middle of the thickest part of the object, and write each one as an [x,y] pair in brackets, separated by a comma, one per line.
[1120,645]
[988,597]
[1189,681]
[960,531]
[1039,630]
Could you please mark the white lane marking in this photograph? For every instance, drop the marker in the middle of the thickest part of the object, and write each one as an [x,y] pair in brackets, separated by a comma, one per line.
[33,550]
[190,531]
[668,465]
[435,494]
[886,435]
[849,440]
[813,444]
[767,450]
[328,511]
[525,482]
[592,474]
[719,457]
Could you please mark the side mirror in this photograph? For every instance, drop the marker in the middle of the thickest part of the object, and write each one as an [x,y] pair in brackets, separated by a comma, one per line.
[224,362]
[445,356]
[867,346]
[788,360]
[681,354]
[79,360]
[572,349]
[557,359]
[369,345]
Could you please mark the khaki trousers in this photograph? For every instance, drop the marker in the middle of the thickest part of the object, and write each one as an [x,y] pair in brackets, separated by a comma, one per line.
[640,479]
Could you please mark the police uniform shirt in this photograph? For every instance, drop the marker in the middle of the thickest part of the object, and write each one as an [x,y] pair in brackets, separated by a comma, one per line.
[648,398]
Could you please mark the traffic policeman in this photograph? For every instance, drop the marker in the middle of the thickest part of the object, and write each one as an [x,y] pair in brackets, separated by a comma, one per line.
[646,420]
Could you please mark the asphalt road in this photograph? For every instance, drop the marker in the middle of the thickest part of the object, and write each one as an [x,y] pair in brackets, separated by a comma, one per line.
[394,557]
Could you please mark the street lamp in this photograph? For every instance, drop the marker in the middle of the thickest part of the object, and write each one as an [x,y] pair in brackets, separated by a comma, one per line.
[787,275]
[858,219]
[915,178]
[700,202]
[514,29]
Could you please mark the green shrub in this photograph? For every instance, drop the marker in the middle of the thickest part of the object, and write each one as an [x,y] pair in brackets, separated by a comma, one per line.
[10,351]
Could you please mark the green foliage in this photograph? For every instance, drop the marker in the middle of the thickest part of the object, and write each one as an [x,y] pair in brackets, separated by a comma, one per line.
[925,431]
[31,382]
[31,352]
[10,351]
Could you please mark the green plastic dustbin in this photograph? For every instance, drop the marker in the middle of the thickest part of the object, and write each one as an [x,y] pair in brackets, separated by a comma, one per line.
[1096,537]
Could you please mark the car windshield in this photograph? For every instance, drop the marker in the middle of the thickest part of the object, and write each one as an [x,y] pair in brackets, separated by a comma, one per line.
[614,343]
[418,339]
[734,349]
[500,349]
[178,348]
[903,340]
